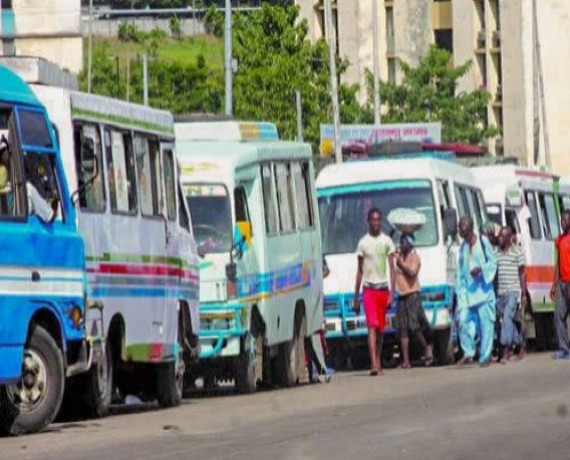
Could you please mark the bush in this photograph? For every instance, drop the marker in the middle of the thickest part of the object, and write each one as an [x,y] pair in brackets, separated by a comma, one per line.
[128,32]
[175,28]
[214,21]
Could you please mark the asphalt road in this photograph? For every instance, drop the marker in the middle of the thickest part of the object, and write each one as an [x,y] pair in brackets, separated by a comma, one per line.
[517,411]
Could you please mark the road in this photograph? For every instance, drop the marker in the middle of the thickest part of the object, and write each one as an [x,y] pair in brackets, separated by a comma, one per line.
[515,411]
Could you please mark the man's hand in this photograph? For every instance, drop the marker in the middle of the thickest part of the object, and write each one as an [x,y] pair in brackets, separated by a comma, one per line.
[553,292]
[476,272]
[356,304]
[524,302]
[390,298]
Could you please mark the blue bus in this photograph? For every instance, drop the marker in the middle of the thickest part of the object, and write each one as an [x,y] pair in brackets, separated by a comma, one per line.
[42,274]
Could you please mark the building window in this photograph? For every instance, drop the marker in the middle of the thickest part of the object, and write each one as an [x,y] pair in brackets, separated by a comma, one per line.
[390,33]
[444,39]
[391,70]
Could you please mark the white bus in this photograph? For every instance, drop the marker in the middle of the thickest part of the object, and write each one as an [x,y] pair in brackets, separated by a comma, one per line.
[253,205]
[530,202]
[141,258]
[431,183]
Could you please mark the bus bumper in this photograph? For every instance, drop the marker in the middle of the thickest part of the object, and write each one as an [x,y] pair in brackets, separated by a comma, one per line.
[342,322]
[222,329]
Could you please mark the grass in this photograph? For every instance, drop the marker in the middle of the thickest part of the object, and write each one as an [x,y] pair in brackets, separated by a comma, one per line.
[187,49]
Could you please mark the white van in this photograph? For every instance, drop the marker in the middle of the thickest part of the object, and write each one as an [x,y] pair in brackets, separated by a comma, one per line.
[529,201]
[253,205]
[431,183]
[141,258]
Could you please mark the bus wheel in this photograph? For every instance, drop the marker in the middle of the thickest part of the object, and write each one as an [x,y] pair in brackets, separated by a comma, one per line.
[291,357]
[249,365]
[98,387]
[170,377]
[31,404]
[443,347]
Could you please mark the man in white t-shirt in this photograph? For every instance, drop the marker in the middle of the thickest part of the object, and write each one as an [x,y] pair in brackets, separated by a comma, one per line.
[375,273]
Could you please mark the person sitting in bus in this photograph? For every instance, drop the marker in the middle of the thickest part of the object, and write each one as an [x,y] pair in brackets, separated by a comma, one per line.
[410,315]
[560,291]
[511,292]
[46,210]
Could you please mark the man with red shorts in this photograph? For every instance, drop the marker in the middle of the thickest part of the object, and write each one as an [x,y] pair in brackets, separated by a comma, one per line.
[374,253]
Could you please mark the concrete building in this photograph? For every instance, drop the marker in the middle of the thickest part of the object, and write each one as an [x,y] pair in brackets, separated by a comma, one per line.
[47,29]
[497,36]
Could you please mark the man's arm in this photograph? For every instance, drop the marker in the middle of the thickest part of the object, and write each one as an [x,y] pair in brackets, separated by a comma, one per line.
[410,267]
[356,302]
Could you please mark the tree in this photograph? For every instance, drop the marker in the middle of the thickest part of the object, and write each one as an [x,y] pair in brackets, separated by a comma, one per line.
[275,59]
[428,92]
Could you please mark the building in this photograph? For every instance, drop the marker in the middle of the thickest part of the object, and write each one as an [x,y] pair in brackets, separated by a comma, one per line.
[47,29]
[497,36]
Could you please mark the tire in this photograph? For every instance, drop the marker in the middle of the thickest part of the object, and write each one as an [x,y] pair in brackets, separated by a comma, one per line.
[33,403]
[170,378]
[443,347]
[248,371]
[98,386]
[291,357]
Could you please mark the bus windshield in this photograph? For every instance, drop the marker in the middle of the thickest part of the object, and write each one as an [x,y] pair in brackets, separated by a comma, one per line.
[210,209]
[343,212]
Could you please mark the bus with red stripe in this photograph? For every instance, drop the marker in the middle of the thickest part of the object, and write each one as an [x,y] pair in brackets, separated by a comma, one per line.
[529,200]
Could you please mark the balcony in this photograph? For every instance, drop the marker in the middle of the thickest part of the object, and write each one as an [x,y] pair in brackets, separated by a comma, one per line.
[481,43]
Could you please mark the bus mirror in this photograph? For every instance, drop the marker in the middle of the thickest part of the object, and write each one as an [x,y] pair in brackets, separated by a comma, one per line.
[231,272]
[450,222]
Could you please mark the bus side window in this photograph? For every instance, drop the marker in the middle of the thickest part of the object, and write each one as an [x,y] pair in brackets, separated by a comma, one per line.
[147,180]
[549,215]
[534,222]
[183,217]
[271,222]
[286,217]
[308,192]
[301,199]
[156,177]
[121,172]
[513,221]
[88,162]
[169,183]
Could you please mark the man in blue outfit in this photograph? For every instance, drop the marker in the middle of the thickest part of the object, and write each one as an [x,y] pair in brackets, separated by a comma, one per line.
[476,270]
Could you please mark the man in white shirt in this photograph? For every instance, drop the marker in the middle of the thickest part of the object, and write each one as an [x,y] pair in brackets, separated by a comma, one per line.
[375,273]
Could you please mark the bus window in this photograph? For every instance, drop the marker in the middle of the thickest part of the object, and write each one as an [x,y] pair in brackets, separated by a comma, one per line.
[303,213]
[495,211]
[480,202]
[146,178]
[88,161]
[308,193]
[462,207]
[549,216]
[271,224]
[534,222]
[443,194]
[241,210]
[512,220]
[286,213]
[121,172]
[472,204]
[169,183]
[183,217]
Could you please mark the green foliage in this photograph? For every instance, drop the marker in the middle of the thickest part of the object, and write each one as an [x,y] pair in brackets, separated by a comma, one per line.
[129,32]
[275,58]
[428,92]
[214,22]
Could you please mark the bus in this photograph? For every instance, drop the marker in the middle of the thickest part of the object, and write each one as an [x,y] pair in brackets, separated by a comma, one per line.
[432,183]
[529,200]
[253,205]
[43,339]
[141,257]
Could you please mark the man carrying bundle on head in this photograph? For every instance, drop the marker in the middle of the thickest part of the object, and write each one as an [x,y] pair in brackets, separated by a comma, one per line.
[410,315]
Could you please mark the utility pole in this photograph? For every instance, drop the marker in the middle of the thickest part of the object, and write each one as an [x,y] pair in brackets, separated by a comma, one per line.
[376,61]
[228,58]
[90,47]
[145,79]
[128,75]
[331,40]
[299,116]
[538,69]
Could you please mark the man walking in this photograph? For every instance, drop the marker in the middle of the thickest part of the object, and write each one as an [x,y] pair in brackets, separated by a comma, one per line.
[476,271]
[560,291]
[511,292]
[410,315]
[374,259]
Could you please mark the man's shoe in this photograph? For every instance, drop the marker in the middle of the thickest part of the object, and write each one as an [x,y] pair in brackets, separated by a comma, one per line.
[464,361]
[561,354]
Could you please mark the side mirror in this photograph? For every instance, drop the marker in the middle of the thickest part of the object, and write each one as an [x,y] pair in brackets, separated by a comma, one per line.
[450,222]
[231,272]
[201,252]
[326,271]
[237,249]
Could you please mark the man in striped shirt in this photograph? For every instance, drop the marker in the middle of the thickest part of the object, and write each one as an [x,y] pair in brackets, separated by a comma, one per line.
[511,291]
